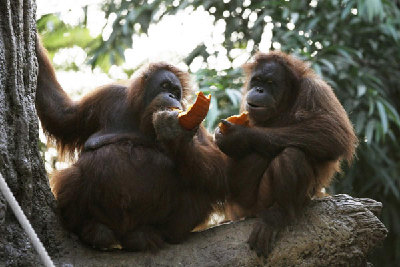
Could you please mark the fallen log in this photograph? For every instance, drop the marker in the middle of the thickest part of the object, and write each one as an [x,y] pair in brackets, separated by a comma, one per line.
[333,231]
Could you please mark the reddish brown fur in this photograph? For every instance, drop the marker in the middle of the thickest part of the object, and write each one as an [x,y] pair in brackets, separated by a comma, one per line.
[315,97]
[127,188]
[136,96]
[287,159]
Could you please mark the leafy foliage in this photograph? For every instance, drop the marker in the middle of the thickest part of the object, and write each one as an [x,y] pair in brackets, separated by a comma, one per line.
[56,34]
[223,88]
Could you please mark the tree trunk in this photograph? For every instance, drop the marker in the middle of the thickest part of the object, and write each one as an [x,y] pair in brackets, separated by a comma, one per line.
[20,161]
[336,230]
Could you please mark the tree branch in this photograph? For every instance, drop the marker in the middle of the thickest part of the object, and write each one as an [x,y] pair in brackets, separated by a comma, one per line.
[338,230]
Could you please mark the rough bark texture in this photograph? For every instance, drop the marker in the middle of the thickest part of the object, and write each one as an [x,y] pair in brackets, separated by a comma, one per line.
[20,160]
[334,231]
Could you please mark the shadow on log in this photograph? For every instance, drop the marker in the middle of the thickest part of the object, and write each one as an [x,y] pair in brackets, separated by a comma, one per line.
[334,231]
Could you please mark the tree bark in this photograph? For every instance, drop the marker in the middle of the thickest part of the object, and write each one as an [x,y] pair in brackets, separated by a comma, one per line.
[333,231]
[20,160]
[337,230]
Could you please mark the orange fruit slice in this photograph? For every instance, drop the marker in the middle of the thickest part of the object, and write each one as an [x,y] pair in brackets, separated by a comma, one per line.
[242,119]
[195,113]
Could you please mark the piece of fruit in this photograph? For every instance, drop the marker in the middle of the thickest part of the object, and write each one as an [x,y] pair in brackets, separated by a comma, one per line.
[242,119]
[195,113]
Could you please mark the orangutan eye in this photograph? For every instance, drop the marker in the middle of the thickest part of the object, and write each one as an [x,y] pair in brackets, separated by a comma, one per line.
[165,85]
[256,79]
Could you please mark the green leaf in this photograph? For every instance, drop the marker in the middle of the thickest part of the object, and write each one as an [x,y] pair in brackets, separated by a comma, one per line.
[312,23]
[360,122]
[234,95]
[346,11]
[383,116]
[212,114]
[317,69]
[369,130]
[371,106]
[389,29]
[390,185]
[328,64]
[393,114]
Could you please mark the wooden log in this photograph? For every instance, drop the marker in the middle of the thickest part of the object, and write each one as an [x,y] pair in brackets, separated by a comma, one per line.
[333,231]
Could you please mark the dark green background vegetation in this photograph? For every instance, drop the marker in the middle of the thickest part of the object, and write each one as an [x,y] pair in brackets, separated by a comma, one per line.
[353,44]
